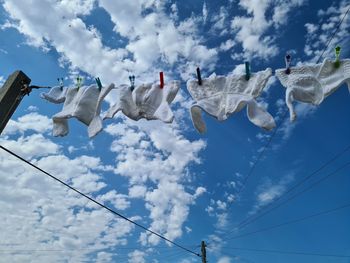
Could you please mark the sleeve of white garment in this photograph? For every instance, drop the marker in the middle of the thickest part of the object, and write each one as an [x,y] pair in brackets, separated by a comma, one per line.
[95,125]
[168,93]
[259,116]
[331,78]
[124,102]
[55,95]
[301,85]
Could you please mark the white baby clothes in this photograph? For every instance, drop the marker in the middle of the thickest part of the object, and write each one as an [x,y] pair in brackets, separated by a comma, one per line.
[95,125]
[82,103]
[55,95]
[222,96]
[332,78]
[147,101]
[313,83]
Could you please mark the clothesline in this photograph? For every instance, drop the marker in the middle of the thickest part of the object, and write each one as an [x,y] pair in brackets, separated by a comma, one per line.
[219,96]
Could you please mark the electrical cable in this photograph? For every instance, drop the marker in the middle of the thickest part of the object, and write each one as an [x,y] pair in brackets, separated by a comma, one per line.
[291,222]
[288,252]
[296,195]
[301,182]
[98,203]
[283,118]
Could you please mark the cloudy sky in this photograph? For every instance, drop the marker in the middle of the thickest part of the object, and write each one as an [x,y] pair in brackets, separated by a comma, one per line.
[167,177]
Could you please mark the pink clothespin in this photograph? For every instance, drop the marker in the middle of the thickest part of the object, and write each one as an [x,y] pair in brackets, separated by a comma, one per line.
[161,78]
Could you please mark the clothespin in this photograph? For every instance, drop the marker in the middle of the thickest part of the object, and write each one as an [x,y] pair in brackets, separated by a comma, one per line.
[288,59]
[161,78]
[98,82]
[132,82]
[337,55]
[199,77]
[247,70]
[60,82]
[79,82]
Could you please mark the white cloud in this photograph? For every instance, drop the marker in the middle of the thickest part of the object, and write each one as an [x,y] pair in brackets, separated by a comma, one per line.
[48,215]
[251,30]
[224,260]
[32,121]
[137,256]
[152,158]
[319,33]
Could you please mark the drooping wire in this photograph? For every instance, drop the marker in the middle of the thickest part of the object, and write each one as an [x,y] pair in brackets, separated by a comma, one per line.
[301,182]
[247,222]
[288,252]
[333,35]
[265,147]
[98,203]
[284,116]
[291,222]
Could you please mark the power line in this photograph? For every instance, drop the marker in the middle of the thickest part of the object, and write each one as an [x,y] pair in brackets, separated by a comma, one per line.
[284,115]
[335,32]
[288,252]
[291,222]
[342,167]
[98,203]
[283,118]
[301,182]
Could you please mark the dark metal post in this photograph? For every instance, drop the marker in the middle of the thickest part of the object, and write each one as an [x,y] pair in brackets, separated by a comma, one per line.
[11,95]
[204,252]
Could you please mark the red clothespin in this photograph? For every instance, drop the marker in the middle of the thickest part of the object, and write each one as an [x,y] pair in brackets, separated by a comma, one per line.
[161,78]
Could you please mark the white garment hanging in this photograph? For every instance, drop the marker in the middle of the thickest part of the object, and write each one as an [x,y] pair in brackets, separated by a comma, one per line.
[313,83]
[83,103]
[222,96]
[55,95]
[147,101]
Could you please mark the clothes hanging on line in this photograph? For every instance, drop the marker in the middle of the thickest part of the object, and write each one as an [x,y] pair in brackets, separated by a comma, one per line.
[313,83]
[147,101]
[222,96]
[82,103]
[55,95]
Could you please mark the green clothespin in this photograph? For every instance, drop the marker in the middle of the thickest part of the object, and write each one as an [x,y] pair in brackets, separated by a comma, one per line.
[79,82]
[60,82]
[247,70]
[132,82]
[98,82]
[337,55]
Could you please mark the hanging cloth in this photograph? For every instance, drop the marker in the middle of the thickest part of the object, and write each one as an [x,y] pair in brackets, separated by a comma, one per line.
[56,95]
[222,96]
[146,101]
[313,83]
[82,103]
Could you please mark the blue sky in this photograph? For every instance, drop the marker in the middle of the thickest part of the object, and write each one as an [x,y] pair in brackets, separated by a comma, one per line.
[168,177]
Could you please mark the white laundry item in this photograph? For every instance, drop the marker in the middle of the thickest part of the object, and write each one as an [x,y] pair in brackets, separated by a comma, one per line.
[95,125]
[332,78]
[302,85]
[55,95]
[222,96]
[80,103]
[147,101]
[313,83]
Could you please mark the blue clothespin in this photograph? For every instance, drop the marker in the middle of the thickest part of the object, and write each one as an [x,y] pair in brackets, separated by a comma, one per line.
[247,70]
[132,82]
[60,82]
[79,82]
[288,59]
[98,82]
[337,55]
[199,77]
